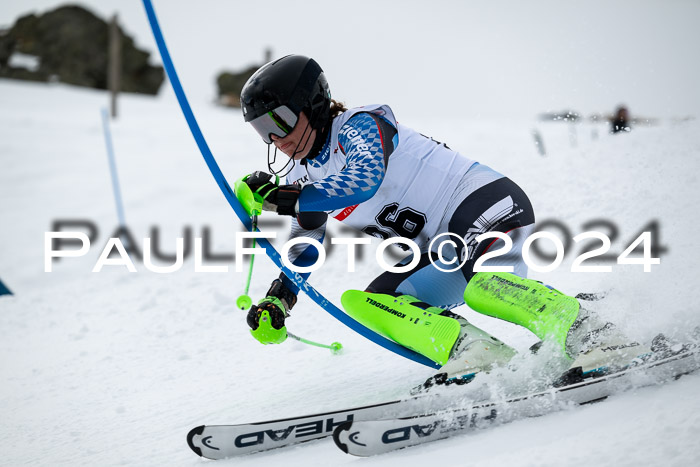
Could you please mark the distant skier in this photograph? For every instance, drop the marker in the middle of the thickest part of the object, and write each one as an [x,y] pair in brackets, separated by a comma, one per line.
[620,122]
[363,168]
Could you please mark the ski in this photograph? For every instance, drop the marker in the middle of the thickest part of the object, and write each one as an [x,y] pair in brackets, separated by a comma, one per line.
[371,437]
[223,441]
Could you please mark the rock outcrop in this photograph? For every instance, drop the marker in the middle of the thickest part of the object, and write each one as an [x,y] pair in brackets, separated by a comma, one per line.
[71,46]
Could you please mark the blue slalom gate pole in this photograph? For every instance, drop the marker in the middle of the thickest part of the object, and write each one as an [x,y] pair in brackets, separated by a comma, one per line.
[113,167]
[4,290]
[244,217]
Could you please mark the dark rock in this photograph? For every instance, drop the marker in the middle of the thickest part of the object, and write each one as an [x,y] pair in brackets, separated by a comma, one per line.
[230,85]
[7,45]
[72,46]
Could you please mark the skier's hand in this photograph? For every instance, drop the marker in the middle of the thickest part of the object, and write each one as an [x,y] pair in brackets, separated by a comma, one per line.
[266,320]
[281,199]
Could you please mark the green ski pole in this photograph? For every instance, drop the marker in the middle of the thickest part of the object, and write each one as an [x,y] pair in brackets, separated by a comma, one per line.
[244,301]
[253,205]
[335,347]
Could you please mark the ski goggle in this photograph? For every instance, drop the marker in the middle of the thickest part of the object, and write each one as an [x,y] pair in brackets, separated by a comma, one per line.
[279,122]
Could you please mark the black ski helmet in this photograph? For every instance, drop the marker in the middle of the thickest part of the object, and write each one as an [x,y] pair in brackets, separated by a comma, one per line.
[294,81]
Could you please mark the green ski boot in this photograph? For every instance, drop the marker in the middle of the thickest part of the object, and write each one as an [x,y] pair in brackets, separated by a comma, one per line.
[550,315]
[422,330]
[545,311]
[444,337]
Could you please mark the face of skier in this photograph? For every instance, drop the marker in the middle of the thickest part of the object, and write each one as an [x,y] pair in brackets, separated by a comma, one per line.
[299,142]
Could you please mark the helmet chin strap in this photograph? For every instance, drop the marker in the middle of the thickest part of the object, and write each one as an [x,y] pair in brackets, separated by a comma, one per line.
[302,143]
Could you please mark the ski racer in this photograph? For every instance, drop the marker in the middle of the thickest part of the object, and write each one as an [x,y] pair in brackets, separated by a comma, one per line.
[365,169]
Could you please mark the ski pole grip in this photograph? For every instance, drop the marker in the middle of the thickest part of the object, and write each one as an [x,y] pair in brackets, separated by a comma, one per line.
[251,202]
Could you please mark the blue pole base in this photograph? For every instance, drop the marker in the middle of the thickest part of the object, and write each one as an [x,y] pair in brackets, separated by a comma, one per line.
[4,290]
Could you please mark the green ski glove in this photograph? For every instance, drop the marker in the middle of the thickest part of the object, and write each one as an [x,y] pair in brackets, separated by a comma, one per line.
[281,199]
[266,321]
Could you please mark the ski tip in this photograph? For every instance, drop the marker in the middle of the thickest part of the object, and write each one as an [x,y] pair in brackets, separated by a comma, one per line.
[336,436]
[195,431]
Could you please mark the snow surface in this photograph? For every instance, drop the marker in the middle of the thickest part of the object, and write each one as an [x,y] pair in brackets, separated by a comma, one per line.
[30,62]
[453,57]
[114,368]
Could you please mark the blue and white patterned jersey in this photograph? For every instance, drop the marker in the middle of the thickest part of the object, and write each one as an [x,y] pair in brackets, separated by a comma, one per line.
[386,188]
